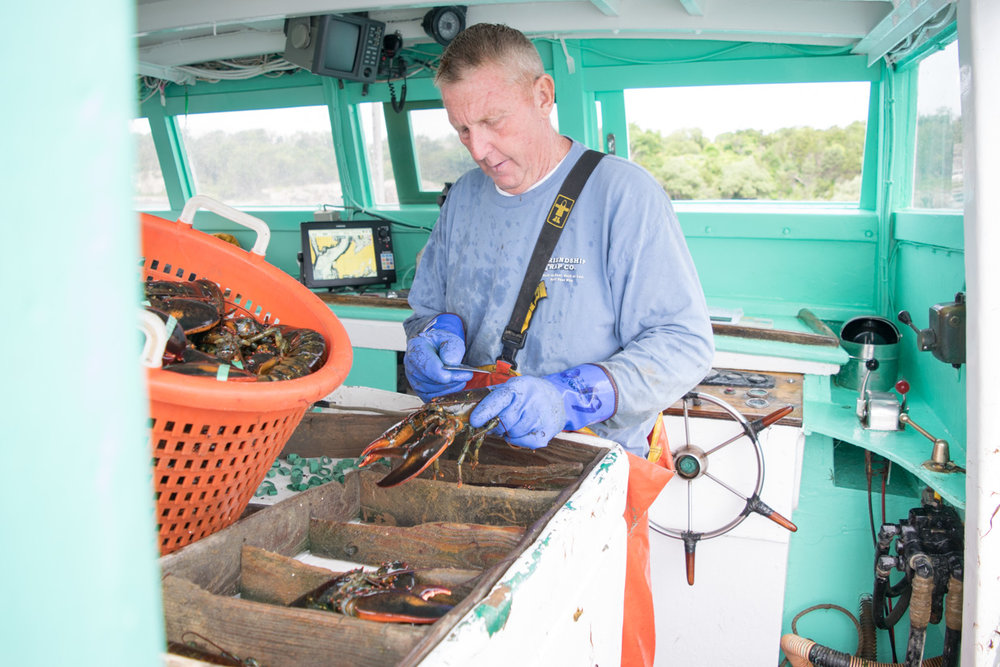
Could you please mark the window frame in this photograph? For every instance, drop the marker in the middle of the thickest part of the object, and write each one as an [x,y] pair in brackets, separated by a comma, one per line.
[906,89]
[295,90]
[606,72]
[402,152]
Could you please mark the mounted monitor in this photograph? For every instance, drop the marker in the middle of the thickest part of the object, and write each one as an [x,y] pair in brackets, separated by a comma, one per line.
[340,46]
[347,254]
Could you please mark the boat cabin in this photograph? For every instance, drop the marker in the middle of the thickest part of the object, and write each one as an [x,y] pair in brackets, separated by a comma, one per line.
[830,163]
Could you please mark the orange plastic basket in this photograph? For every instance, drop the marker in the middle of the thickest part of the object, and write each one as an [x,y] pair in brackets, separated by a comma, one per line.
[213,442]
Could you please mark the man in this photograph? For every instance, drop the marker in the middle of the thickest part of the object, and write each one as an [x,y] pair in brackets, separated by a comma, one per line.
[618,329]
[622,331]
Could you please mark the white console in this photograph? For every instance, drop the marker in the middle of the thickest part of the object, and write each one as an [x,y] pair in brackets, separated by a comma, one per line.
[733,612]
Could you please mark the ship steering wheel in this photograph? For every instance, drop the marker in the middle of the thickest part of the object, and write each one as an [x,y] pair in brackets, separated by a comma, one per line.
[693,465]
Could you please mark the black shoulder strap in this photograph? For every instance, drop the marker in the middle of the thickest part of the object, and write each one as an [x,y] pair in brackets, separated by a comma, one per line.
[514,335]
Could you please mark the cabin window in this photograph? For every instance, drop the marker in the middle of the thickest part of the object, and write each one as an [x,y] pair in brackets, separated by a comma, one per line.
[937,172]
[377,152]
[770,142]
[266,157]
[441,157]
[399,175]
[149,190]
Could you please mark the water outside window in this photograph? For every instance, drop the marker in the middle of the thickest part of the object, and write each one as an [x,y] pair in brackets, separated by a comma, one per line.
[770,142]
[937,168]
[268,157]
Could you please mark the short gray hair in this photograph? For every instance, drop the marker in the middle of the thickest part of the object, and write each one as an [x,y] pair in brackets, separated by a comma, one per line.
[489,44]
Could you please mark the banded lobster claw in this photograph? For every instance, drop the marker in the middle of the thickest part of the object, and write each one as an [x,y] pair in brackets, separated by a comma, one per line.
[388,595]
[396,606]
[421,438]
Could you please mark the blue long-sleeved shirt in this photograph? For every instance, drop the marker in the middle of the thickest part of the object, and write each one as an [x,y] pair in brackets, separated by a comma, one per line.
[622,290]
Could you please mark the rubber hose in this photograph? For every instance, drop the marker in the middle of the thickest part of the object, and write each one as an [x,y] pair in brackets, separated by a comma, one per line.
[802,652]
[884,591]
[953,604]
[920,607]
[857,624]
[953,622]
[867,640]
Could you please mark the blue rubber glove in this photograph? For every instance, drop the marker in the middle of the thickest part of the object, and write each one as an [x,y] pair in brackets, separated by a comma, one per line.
[534,409]
[441,342]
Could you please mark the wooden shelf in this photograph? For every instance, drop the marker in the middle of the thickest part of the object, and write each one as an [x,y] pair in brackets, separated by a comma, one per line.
[787,391]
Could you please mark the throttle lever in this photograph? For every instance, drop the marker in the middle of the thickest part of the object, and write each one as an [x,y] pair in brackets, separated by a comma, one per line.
[904,317]
[926,339]
[940,460]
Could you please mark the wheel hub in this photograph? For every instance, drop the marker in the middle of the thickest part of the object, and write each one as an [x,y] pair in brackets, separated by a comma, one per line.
[690,461]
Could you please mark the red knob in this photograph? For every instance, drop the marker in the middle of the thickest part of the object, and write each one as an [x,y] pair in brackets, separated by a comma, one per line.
[902,386]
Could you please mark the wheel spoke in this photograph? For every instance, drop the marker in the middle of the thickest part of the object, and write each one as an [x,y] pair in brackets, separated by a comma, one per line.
[725,486]
[727,442]
[692,464]
[687,424]
[690,491]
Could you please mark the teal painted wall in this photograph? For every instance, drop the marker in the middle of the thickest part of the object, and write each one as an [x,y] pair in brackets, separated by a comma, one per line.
[831,556]
[920,261]
[772,261]
[928,268]
[373,368]
[80,583]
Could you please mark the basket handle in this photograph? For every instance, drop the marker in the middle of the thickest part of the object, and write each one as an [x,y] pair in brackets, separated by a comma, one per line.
[156,339]
[230,213]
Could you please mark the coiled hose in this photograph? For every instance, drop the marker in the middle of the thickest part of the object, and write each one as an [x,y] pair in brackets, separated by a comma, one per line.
[867,640]
[865,627]
[802,652]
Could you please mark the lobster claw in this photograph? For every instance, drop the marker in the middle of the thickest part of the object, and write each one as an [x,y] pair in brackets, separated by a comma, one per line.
[387,443]
[395,606]
[420,439]
[417,458]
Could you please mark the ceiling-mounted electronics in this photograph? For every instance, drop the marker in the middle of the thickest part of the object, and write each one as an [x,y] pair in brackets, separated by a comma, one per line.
[340,46]
[391,65]
[444,23]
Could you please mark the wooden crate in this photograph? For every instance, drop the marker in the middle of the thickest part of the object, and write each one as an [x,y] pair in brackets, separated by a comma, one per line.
[229,592]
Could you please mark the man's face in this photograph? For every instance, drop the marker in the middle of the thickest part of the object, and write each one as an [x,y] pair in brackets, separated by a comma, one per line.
[504,126]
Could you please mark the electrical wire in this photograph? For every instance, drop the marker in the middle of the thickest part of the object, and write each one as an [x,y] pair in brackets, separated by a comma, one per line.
[871,511]
[915,40]
[408,225]
[357,208]
[869,474]
[888,602]
[151,84]
[269,65]
[640,61]
[239,68]
[839,50]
